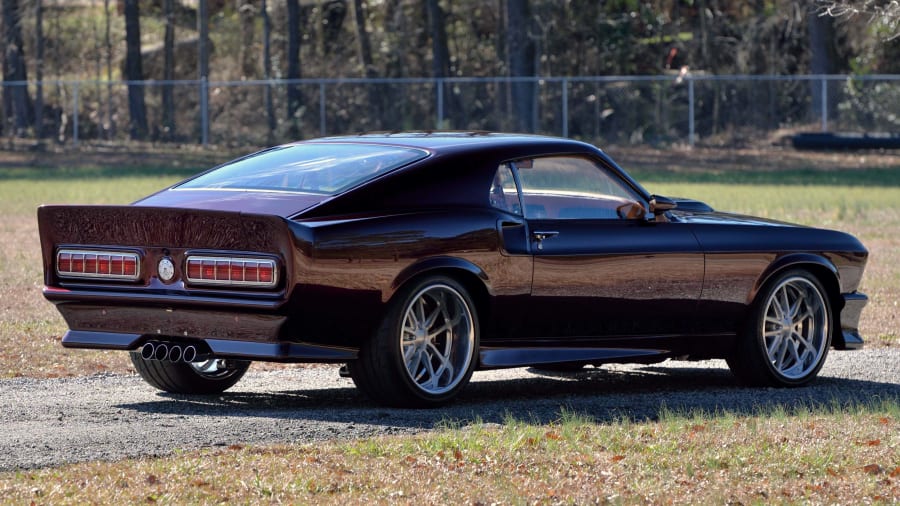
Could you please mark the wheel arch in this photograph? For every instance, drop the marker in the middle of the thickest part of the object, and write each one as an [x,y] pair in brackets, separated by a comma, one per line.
[824,271]
[472,278]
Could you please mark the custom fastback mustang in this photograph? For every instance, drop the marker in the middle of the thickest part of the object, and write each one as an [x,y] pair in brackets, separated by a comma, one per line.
[417,258]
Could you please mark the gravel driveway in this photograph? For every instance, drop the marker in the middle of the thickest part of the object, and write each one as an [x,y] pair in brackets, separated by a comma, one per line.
[51,422]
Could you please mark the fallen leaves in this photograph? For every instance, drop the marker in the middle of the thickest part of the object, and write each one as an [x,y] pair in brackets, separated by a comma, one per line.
[873,469]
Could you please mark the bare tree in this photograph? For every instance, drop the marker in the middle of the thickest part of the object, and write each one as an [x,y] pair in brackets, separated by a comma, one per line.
[168,92]
[520,57]
[267,68]
[15,94]
[440,56]
[134,71]
[247,12]
[203,67]
[822,57]
[39,68]
[362,37]
[885,13]
[294,95]
[110,126]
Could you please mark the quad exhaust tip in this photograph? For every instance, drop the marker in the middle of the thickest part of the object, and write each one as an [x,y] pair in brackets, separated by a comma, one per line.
[169,352]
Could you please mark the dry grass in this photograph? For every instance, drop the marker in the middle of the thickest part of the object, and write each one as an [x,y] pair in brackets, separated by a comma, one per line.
[30,328]
[836,456]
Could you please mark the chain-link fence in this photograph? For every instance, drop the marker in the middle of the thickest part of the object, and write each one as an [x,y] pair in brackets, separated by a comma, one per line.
[607,109]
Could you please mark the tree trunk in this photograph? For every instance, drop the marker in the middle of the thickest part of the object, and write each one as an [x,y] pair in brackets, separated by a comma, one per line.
[248,28]
[39,68]
[440,63]
[504,89]
[15,96]
[134,70]
[267,69]
[294,95]
[362,36]
[203,67]
[168,92]
[366,62]
[110,125]
[520,55]
[822,59]
[440,60]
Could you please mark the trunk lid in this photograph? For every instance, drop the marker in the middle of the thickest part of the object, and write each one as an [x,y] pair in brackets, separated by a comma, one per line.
[155,233]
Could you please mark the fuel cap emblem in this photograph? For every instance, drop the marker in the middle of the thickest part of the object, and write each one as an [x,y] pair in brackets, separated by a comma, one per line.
[166,269]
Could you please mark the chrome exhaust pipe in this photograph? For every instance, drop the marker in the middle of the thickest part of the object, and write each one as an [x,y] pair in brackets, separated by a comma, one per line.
[189,354]
[174,353]
[147,351]
[162,351]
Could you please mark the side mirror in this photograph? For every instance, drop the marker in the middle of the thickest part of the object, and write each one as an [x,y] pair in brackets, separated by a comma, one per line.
[631,211]
[660,204]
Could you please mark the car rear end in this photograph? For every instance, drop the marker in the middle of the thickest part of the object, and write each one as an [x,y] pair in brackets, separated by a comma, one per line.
[122,276]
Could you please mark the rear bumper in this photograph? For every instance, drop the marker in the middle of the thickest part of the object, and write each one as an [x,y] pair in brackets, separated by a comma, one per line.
[219,348]
[853,306]
[226,328]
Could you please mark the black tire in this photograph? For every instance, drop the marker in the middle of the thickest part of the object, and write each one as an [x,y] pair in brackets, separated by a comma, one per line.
[781,348]
[190,378]
[382,373]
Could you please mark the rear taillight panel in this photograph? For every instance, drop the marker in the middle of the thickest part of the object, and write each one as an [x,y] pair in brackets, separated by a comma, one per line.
[98,264]
[253,272]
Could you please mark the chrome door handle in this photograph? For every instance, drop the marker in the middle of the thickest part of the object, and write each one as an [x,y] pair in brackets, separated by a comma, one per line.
[540,235]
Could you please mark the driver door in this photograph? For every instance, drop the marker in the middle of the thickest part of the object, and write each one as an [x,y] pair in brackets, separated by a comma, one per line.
[601,268]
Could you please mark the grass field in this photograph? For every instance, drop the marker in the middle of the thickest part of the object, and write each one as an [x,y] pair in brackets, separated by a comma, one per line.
[837,454]
[828,455]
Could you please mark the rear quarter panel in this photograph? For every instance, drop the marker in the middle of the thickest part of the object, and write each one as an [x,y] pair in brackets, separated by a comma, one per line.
[354,265]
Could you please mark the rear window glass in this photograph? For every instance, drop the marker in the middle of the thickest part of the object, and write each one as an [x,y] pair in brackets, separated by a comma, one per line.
[307,168]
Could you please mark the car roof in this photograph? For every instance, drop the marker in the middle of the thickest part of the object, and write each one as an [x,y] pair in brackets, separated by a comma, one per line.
[439,141]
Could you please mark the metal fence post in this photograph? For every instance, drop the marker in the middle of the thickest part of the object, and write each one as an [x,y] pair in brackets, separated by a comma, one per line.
[824,104]
[322,124]
[75,114]
[565,107]
[691,130]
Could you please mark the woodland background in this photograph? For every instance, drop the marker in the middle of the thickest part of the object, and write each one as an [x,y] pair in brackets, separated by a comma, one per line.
[265,71]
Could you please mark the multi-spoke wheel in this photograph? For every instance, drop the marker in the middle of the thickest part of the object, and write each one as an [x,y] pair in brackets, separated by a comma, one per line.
[424,352]
[788,336]
[205,377]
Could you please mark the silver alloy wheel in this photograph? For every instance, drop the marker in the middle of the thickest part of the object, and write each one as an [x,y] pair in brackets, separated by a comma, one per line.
[795,329]
[214,368]
[437,337]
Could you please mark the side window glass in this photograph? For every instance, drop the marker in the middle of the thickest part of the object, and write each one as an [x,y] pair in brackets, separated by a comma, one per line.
[573,187]
[504,194]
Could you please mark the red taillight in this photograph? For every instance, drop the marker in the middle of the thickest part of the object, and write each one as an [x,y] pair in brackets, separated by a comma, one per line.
[103,264]
[71,263]
[64,262]
[266,273]
[129,265]
[232,271]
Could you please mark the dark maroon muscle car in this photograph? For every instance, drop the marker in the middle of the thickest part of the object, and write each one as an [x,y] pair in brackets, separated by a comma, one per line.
[417,258]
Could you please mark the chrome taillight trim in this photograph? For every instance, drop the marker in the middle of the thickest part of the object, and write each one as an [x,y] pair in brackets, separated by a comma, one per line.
[232,260]
[84,253]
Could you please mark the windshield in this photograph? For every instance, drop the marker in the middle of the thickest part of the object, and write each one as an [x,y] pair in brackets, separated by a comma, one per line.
[326,169]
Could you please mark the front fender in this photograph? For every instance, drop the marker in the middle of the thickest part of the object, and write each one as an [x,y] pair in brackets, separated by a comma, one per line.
[789,261]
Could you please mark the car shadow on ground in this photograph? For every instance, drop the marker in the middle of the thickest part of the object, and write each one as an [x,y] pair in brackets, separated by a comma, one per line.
[645,393]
